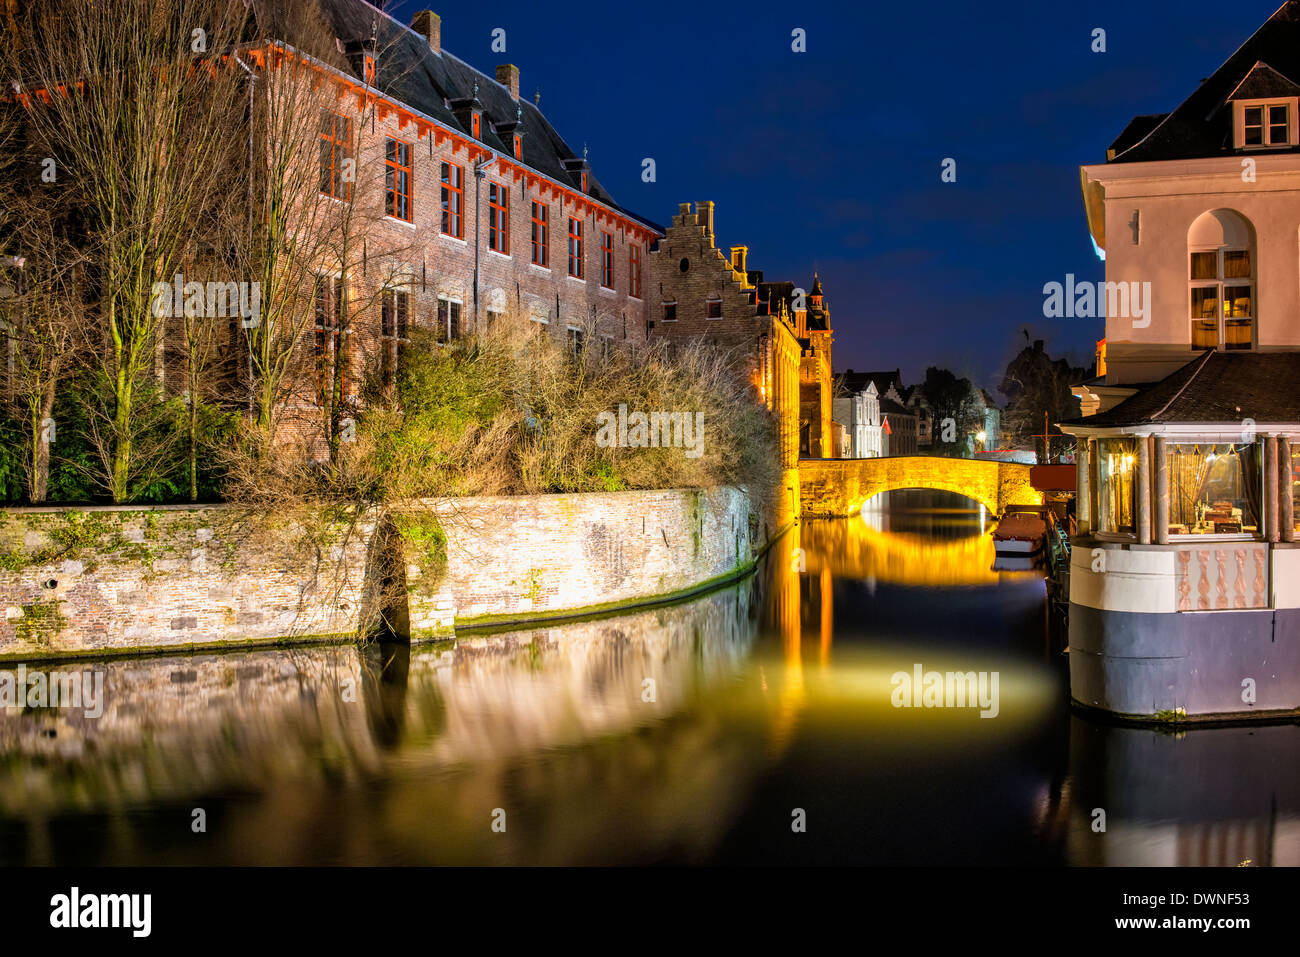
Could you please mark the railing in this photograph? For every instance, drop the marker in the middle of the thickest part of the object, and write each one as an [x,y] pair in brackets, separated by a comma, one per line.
[1221,575]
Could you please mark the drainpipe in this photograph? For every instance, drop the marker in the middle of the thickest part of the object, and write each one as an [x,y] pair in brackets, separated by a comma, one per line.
[480,170]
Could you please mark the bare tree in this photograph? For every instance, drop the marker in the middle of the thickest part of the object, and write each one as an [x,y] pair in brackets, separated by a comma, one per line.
[137,110]
[315,192]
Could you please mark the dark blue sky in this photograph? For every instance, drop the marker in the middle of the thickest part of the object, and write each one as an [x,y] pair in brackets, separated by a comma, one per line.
[831,158]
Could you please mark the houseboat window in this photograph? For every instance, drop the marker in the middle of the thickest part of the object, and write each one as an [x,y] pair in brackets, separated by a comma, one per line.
[1214,489]
[1116,472]
[1295,485]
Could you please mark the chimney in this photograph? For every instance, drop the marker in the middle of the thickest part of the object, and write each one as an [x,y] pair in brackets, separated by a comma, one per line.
[508,76]
[738,254]
[429,24]
[704,216]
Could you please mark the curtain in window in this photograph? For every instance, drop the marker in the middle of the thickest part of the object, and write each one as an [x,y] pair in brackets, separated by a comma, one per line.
[1251,478]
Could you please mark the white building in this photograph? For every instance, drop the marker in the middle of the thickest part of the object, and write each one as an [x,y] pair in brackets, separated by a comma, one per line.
[860,413]
[1185,579]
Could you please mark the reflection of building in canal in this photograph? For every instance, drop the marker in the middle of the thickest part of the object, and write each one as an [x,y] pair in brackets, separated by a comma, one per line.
[1213,797]
[451,733]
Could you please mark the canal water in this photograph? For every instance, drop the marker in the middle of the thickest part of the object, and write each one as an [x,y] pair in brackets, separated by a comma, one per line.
[770,721]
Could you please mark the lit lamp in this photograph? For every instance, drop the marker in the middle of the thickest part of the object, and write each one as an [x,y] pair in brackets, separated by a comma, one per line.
[981,437]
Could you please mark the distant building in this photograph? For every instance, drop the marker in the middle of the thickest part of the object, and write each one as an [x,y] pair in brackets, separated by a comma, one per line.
[899,425]
[919,406]
[812,318]
[859,411]
[706,295]
[885,425]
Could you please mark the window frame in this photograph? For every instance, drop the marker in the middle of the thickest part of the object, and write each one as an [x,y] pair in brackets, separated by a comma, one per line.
[1265,104]
[394,330]
[452,187]
[634,270]
[576,250]
[393,169]
[340,151]
[1172,445]
[1219,283]
[330,334]
[607,259]
[499,218]
[541,235]
[448,329]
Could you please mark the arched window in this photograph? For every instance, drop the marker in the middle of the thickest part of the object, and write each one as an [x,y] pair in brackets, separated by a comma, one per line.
[1221,281]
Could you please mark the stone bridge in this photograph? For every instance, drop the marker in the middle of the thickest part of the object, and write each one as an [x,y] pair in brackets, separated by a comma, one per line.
[835,487]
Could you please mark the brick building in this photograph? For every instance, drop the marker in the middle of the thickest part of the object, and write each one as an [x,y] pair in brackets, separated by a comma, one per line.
[703,294]
[818,434]
[477,207]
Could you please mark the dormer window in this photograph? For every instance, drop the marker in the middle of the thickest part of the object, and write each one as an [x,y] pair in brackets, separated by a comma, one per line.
[476,125]
[369,61]
[519,147]
[1261,124]
[584,182]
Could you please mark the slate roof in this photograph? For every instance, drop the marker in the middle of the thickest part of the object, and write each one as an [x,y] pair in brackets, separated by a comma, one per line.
[851,383]
[409,71]
[1219,388]
[1201,126]
[890,407]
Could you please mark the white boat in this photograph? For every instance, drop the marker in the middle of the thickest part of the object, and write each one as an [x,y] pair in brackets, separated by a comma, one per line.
[1019,533]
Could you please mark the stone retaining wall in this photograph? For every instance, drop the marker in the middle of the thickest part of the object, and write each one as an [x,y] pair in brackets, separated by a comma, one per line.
[93,580]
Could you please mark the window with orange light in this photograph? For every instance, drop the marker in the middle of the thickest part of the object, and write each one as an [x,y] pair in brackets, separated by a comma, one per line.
[1116,472]
[1214,488]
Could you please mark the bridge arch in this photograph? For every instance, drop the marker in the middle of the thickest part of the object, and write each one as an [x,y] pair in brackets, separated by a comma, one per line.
[838,487]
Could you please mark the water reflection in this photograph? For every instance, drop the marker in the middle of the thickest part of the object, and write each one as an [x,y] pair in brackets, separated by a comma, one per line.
[688,734]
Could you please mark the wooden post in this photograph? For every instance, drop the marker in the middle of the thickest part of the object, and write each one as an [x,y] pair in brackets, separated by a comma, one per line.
[1270,489]
[1161,466]
[1094,483]
[1082,491]
[1285,493]
[1143,488]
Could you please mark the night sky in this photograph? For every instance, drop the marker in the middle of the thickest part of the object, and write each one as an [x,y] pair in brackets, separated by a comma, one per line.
[831,158]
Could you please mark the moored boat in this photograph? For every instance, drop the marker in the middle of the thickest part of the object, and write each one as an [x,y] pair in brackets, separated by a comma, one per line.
[1019,533]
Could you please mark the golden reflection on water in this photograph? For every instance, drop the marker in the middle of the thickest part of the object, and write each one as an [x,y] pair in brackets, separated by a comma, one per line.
[388,755]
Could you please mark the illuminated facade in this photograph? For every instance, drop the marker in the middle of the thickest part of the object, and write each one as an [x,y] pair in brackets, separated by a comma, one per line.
[705,295]
[1185,583]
